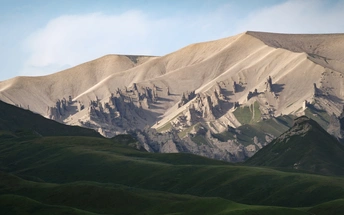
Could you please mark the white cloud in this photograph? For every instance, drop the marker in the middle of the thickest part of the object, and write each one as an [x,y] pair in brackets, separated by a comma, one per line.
[73,39]
[297,16]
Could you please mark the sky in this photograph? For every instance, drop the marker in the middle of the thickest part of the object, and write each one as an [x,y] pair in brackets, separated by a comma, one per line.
[40,37]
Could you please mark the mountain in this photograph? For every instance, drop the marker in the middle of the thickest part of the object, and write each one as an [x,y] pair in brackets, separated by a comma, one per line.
[184,101]
[305,146]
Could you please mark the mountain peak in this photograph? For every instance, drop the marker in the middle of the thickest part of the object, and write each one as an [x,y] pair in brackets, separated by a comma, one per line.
[301,126]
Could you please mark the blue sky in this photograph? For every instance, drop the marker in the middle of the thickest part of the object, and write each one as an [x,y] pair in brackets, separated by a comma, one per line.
[39,37]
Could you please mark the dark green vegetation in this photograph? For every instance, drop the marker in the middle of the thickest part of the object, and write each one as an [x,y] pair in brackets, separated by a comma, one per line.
[305,146]
[113,199]
[17,122]
[332,207]
[53,173]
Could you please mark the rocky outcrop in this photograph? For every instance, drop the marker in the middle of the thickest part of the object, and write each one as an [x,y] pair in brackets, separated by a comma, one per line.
[53,113]
[191,115]
[207,109]
[305,104]
[152,141]
[170,142]
[336,126]
[128,110]
[234,87]
[252,94]
[186,97]
[80,106]
[236,105]
[316,91]
[268,84]
[190,131]
[125,109]
[59,110]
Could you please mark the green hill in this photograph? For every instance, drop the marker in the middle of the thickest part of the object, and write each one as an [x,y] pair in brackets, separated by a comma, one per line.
[305,146]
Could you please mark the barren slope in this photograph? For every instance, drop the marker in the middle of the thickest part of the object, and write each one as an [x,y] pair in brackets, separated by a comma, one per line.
[324,49]
[40,92]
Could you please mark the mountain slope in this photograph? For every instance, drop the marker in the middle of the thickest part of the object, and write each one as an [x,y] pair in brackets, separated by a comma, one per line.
[37,93]
[196,92]
[305,146]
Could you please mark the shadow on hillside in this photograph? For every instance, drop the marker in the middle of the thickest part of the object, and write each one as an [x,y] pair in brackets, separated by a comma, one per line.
[163,100]
[239,88]
[226,92]
[277,88]
[336,99]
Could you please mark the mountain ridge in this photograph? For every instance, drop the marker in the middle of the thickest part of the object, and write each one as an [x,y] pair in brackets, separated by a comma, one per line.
[207,86]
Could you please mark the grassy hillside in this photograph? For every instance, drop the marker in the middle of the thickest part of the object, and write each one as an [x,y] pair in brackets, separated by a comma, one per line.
[88,198]
[71,159]
[65,174]
[305,146]
[91,198]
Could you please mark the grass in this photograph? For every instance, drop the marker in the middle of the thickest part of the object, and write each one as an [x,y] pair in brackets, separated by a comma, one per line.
[20,205]
[165,127]
[91,198]
[247,132]
[248,114]
[329,208]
